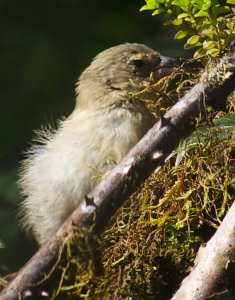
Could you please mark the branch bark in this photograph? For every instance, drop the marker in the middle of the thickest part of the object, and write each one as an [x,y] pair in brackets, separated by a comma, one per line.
[213,262]
[98,207]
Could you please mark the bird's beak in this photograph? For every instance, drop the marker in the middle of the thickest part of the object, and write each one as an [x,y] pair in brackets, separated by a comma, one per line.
[166,67]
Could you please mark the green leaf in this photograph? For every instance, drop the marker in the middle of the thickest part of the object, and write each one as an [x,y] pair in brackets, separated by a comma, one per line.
[231,25]
[213,52]
[167,22]
[226,122]
[220,19]
[183,15]
[177,22]
[202,13]
[158,11]
[209,45]
[183,4]
[180,34]
[230,1]
[198,4]
[220,10]
[206,21]
[145,7]
[199,53]
[193,39]
[222,127]
[208,32]
[150,4]
[188,46]
[206,5]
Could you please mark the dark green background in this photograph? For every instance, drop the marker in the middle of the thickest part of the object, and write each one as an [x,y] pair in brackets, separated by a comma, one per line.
[44,46]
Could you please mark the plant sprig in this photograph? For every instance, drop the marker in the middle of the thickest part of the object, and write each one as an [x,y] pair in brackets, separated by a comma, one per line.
[208,25]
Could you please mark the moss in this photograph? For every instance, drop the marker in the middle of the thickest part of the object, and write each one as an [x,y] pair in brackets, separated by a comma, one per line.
[151,243]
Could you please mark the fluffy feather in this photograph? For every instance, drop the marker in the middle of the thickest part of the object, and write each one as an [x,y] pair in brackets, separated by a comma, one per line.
[107,121]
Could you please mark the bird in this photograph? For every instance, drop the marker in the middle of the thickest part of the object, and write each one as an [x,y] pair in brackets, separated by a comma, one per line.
[109,118]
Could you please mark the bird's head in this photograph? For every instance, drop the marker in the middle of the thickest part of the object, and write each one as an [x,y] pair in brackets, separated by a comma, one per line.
[118,72]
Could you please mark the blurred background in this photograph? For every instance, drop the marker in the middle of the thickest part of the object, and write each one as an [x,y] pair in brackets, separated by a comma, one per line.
[44,46]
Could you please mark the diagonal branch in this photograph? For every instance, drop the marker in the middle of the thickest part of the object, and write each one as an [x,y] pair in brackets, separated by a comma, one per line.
[151,151]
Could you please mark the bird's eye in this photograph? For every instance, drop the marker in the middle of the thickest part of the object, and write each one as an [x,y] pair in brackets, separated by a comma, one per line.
[159,60]
[138,63]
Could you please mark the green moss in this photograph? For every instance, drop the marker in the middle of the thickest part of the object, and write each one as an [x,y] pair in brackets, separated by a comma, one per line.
[151,243]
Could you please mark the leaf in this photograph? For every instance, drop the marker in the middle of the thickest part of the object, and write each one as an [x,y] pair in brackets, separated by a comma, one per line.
[193,39]
[206,22]
[208,31]
[223,127]
[183,4]
[220,19]
[158,11]
[180,34]
[150,4]
[220,10]
[145,7]
[202,13]
[188,19]
[227,122]
[206,5]
[199,53]
[177,22]
[208,44]
[230,2]
[167,22]
[198,4]
[183,15]
[213,52]
[230,25]
[188,46]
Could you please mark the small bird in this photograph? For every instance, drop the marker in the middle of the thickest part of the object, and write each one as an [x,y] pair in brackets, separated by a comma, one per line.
[109,118]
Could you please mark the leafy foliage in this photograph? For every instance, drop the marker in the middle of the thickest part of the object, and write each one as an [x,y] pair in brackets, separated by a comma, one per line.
[209,24]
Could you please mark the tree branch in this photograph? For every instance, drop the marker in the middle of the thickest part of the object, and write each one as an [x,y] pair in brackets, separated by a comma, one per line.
[213,262]
[98,207]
